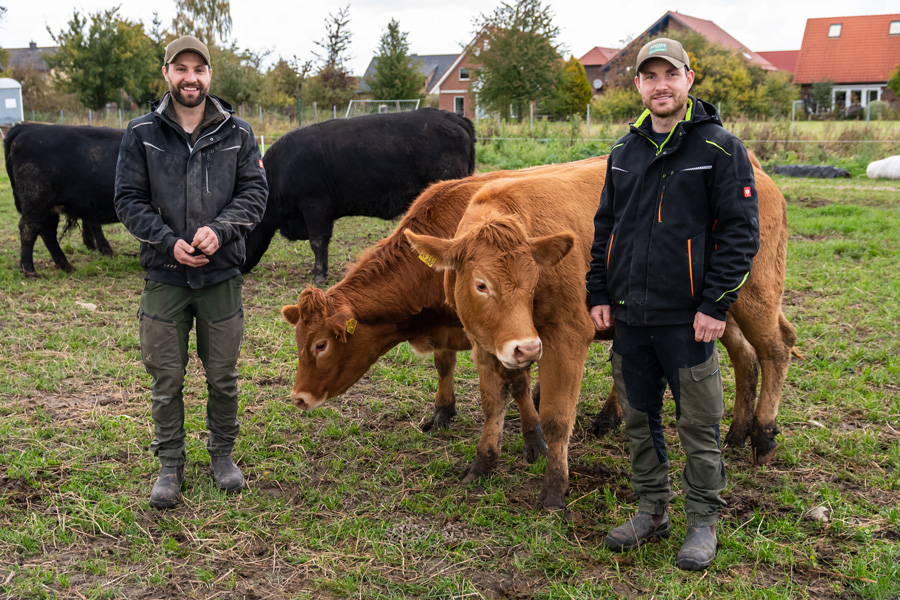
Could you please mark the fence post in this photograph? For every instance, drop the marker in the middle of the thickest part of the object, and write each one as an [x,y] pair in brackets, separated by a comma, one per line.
[120,118]
[262,143]
[60,116]
[589,120]
[793,107]
[299,113]
[334,111]
[90,117]
[316,111]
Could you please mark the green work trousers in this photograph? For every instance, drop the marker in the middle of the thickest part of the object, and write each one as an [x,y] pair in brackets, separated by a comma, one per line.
[643,360]
[167,314]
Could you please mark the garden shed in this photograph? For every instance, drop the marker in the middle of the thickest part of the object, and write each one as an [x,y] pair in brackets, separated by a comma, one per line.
[10,101]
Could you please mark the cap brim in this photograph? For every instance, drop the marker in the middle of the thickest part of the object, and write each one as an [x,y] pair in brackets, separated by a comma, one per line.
[674,61]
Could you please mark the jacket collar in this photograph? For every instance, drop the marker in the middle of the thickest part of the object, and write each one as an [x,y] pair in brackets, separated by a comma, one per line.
[698,111]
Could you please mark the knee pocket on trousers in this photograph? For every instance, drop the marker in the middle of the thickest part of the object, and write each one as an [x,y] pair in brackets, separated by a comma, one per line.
[701,393]
[225,337]
[160,349]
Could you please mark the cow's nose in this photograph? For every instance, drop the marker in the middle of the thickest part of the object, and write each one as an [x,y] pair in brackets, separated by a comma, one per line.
[527,350]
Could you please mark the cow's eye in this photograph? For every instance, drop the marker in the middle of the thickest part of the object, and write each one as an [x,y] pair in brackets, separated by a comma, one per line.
[320,346]
[481,287]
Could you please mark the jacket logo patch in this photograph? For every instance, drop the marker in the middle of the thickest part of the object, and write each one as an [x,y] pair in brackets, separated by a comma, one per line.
[747,192]
[260,164]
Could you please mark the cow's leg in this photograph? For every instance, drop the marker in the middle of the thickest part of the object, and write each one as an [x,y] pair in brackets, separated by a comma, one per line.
[561,369]
[445,400]
[746,375]
[98,240]
[319,245]
[519,385]
[609,417]
[28,235]
[494,400]
[48,234]
[774,351]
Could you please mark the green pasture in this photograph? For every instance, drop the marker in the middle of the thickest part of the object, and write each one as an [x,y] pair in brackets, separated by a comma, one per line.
[352,500]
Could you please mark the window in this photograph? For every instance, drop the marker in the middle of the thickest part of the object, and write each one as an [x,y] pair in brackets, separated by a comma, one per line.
[834,31]
[895,28]
[459,105]
[872,96]
[464,73]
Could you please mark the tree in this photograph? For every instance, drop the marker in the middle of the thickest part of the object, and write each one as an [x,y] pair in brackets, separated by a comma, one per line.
[573,92]
[396,76]
[894,82]
[4,55]
[207,20]
[283,84]
[236,74]
[520,62]
[332,85]
[96,61]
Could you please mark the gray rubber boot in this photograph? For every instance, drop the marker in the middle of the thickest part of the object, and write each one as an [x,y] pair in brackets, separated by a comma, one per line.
[226,474]
[167,487]
[636,531]
[698,550]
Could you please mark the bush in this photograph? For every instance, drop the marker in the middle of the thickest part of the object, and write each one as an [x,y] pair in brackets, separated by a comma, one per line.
[883,111]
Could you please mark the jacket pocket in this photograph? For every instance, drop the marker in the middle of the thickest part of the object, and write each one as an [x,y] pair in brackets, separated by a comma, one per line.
[696,248]
[701,401]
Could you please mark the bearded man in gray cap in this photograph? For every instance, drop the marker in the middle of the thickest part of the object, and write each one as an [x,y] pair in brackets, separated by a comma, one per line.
[189,186]
[675,235]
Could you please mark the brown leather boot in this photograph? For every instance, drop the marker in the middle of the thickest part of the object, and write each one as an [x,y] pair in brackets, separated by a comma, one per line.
[167,488]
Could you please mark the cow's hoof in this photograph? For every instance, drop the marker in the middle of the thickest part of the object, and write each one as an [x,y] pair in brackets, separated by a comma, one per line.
[481,467]
[551,501]
[535,446]
[30,274]
[736,438]
[319,279]
[107,252]
[67,268]
[763,442]
[439,419]
[604,424]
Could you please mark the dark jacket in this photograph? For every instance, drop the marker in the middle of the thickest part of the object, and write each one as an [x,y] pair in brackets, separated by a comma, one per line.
[678,223]
[167,188]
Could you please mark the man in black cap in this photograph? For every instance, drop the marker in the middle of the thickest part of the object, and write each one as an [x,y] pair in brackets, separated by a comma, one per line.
[189,186]
[675,235]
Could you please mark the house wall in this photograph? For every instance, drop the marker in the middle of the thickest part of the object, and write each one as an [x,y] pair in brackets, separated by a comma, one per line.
[453,87]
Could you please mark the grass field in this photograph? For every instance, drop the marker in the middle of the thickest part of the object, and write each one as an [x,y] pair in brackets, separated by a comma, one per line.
[352,500]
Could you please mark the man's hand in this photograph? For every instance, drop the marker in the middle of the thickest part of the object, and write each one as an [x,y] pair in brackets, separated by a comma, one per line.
[205,241]
[706,328]
[184,253]
[601,316]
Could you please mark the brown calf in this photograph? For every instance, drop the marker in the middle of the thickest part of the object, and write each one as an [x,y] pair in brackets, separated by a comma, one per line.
[516,278]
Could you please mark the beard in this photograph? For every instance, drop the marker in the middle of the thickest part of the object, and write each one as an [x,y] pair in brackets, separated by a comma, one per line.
[678,104]
[180,99]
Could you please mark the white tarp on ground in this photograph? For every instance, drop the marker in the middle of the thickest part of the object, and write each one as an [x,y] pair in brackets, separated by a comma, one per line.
[886,168]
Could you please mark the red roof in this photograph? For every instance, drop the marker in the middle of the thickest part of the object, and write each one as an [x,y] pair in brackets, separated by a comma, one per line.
[719,36]
[864,52]
[785,60]
[598,56]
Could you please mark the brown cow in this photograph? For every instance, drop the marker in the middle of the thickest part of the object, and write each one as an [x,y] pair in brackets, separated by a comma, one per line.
[391,296]
[516,278]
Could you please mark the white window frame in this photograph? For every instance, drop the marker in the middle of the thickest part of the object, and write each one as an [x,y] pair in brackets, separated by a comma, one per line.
[835,33]
[894,28]
[848,90]
[468,74]
[462,101]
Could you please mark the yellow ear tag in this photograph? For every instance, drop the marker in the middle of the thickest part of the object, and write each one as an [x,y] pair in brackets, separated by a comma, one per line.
[351,325]
[427,259]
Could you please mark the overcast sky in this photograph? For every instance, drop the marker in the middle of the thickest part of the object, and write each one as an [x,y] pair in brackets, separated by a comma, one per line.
[289,28]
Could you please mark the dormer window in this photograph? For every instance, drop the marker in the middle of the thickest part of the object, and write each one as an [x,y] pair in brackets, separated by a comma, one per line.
[834,31]
[895,28]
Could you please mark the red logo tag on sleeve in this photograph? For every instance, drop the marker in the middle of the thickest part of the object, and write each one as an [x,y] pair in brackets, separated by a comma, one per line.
[747,192]
[261,166]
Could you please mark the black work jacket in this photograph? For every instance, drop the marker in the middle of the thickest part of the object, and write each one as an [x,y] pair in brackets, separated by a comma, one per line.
[167,188]
[678,223]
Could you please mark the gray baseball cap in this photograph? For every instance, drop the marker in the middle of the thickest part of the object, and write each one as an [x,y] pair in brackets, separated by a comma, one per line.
[187,43]
[666,49]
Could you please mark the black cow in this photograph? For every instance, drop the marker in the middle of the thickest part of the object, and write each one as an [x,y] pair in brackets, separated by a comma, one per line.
[372,166]
[57,169]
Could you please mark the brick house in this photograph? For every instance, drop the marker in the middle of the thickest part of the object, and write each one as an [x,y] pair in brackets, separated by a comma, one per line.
[622,64]
[857,54]
[592,61]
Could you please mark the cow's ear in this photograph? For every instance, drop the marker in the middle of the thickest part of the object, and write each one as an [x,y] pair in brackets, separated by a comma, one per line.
[550,249]
[435,252]
[291,313]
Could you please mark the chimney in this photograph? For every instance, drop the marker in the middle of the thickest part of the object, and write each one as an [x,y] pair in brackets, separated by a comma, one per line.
[32,46]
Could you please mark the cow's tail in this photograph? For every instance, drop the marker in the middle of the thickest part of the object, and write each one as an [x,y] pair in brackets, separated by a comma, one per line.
[470,130]
[7,151]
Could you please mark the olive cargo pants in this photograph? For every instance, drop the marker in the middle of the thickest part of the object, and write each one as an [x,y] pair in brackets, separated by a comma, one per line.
[643,359]
[166,315]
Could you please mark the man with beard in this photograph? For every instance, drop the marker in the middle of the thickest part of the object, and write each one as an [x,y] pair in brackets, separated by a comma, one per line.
[675,235]
[189,186]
